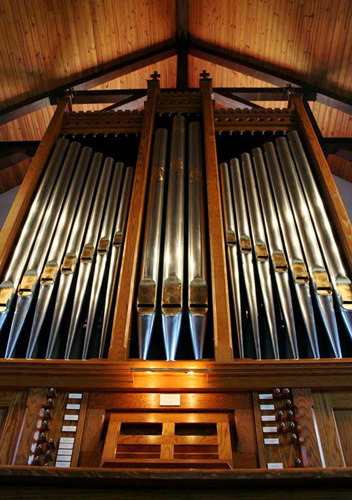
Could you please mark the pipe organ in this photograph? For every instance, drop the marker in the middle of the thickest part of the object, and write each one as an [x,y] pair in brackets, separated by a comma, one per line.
[175,300]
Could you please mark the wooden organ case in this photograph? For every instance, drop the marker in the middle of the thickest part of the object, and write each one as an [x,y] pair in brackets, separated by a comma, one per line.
[236,415]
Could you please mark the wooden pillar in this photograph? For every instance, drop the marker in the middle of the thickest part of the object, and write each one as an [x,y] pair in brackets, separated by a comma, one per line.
[120,336]
[24,196]
[219,283]
[330,193]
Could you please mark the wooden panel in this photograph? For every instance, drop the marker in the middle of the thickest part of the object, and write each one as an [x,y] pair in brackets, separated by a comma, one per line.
[12,428]
[330,442]
[219,285]
[340,218]
[303,401]
[20,206]
[168,449]
[119,345]
[91,447]
[343,420]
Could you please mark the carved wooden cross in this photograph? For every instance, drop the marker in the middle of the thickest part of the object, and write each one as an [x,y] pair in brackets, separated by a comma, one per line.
[155,76]
[204,75]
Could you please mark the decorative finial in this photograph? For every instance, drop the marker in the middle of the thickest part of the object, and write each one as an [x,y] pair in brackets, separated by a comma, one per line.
[155,76]
[204,75]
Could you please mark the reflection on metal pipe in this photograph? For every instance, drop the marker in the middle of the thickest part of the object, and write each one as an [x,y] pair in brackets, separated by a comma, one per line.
[30,280]
[197,274]
[88,252]
[30,230]
[278,258]
[320,279]
[57,250]
[116,251]
[231,245]
[294,252]
[68,266]
[172,285]
[260,249]
[148,285]
[103,249]
[341,283]
[245,250]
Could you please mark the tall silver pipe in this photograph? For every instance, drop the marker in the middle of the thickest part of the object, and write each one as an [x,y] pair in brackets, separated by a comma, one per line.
[278,258]
[30,279]
[30,230]
[294,252]
[69,264]
[88,251]
[57,249]
[260,249]
[148,285]
[197,265]
[103,250]
[172,286]
[245,250]
[117,243]
[341,283]
[232,254]
[316,266]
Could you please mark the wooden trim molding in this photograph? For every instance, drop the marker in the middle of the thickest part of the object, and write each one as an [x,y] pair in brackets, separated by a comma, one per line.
[219,283]
[120,337]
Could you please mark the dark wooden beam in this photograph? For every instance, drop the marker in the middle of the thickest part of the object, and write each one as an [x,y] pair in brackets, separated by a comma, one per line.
[105,96]
[120,67]
[264,93]
[268,73]
[230,100]
[313,120]
[338,146]
[182,44]
[130,102]
[13,152]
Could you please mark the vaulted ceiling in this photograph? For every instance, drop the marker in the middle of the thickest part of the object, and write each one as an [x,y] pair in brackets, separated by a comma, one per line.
[45,44]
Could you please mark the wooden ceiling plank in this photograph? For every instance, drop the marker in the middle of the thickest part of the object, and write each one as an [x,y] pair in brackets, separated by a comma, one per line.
[122,67]
[182,44]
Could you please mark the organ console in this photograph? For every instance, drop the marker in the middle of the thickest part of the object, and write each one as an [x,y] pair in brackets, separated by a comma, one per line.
[175,300]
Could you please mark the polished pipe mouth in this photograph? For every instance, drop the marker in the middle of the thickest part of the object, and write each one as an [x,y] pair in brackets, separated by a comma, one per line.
[279,261]
[49,273]
[261,251]
[7,291]
[321,281]
[344,289]
[103,246]
[28,283]
[300,272]
[69,263]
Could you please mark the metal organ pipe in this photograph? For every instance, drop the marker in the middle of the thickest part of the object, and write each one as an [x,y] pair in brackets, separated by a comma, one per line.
[30,230]
[102,252]
[88,251]
[30,279]
[117,242]
[197,278]
[260,249]
[277,255]
[148,285]
[245,250]
[69,264]
[316,266]
[341,283]
[231,245]
[294,252]
[58,247]
[172,284]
